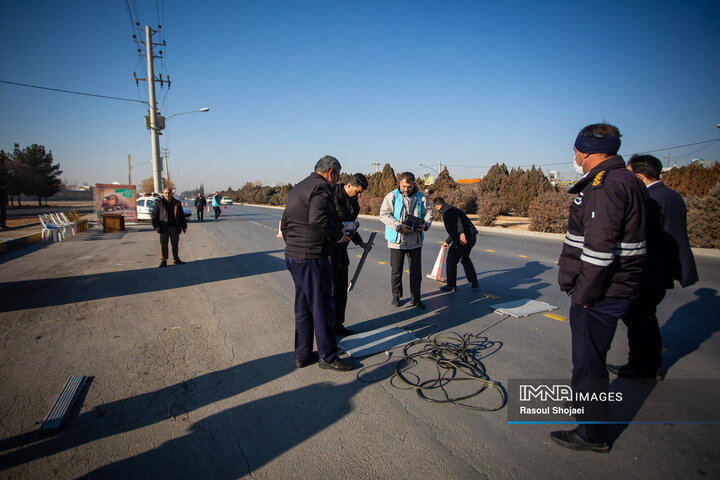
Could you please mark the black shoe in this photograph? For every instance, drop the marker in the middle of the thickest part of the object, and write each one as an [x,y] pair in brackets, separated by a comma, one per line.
[419,304]
[342,331]
[337,364]
[395,301]
[163,264]
[308,361]
[572,440]
[624,371]
[476,285]
[179,262]
[448,288]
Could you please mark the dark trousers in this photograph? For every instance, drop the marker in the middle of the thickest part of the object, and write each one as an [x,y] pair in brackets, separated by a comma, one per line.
[217,212]
[592,331]
[174,236]
[340,286]
[460,253]
[200,214]
[644,339]
[314,307]
[397,260]
[3,215]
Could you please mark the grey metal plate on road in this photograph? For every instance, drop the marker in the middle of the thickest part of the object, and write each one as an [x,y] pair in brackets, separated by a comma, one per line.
[522,308]
[375,341]
[59,412]
[362,261]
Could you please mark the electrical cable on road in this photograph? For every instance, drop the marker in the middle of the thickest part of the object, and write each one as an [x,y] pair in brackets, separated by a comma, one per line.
[459,376]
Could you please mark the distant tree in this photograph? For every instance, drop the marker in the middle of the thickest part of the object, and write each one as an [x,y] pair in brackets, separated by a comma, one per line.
[521,187]
[444,183]
[693,179]
[41,177]
[492,182]
[148,185]
[381,183]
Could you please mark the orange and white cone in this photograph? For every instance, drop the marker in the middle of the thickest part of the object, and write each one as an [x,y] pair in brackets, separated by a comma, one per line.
[279,234]
[437,271]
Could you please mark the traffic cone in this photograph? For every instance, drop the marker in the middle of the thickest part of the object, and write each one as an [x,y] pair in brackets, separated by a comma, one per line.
[437,271]
[279,234]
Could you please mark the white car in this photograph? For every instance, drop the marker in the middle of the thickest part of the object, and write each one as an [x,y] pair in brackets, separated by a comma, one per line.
[145,206]
[226,201]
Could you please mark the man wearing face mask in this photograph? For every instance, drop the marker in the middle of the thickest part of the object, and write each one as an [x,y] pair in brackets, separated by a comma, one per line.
[600,266]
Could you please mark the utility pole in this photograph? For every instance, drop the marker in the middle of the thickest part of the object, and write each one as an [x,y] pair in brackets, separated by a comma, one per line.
[376,166]
[154,132]
[167,168]
[129,170]
[439,168]
[154,121]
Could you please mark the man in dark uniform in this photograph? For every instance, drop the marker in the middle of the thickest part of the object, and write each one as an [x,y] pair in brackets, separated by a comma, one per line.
[599,266]
[168,219]
[669,258]
[461,239]
[200,204]
[347,209]
[310,230]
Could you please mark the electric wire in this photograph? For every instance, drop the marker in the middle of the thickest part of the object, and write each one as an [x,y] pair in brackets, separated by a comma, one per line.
[444,368]
[73,92]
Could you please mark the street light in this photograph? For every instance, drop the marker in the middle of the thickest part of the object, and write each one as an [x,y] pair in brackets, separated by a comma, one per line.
[130,167]
[155,123]
[204,109]
[428,166]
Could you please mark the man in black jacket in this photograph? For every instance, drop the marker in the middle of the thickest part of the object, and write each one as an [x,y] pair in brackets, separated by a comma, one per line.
[600,265]
[347,209]
[461,239]
[669,258]
[310,229]
[168,219]
[200,204]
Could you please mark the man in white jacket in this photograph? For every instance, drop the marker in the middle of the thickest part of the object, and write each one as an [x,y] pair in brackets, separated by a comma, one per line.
[406,213]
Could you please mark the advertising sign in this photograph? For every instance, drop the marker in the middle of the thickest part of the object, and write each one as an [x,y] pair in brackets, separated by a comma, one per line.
[116,199]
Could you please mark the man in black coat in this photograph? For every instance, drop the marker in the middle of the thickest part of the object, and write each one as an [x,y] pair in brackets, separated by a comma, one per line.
[168,219]
[669,258]
[310,229]
[461,239]
[200,204]
[347,209]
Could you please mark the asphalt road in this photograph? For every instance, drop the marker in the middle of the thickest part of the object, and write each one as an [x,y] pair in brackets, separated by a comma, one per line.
[193,376]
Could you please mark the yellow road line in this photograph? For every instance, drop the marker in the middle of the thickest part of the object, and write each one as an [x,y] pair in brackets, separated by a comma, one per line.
[382,263]
[523,256]
[488,250]
[555,317]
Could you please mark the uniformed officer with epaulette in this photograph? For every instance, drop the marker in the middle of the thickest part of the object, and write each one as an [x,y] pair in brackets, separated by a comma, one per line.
[600,266]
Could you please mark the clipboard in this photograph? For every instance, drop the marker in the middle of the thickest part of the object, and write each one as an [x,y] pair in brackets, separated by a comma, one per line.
[362,261]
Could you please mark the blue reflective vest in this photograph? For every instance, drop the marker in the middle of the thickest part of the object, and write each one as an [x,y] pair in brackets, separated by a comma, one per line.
[392,235]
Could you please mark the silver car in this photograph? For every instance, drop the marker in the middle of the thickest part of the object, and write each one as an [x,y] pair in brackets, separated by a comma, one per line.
[146,204]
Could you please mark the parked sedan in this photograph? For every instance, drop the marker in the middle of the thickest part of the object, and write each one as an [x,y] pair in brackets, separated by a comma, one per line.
[145,206]
[226,201]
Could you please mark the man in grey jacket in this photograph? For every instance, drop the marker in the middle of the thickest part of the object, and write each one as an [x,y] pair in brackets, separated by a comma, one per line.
[406,213]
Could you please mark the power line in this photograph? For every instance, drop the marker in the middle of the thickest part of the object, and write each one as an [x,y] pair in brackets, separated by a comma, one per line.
[681,146]
[74,93]
[623,154]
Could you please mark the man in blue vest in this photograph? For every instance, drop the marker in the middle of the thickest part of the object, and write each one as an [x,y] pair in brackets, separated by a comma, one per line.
[406,213]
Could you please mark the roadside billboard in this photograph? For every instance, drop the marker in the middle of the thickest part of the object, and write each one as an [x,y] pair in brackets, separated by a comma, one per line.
[111,198]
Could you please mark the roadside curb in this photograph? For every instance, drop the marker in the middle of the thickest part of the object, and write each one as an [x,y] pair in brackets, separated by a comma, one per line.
[16,243]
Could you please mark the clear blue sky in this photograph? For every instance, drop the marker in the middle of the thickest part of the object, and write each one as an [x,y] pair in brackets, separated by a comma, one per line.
[465,83]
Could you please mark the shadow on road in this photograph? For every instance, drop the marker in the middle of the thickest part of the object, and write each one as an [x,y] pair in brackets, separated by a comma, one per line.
[82,288]
[689,326]
[174,403]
